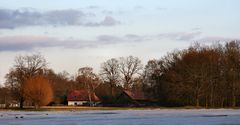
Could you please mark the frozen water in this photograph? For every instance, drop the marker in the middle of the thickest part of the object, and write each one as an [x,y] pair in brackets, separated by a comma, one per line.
[124,117]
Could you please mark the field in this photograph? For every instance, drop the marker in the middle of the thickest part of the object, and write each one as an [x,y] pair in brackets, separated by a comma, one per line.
[123,117]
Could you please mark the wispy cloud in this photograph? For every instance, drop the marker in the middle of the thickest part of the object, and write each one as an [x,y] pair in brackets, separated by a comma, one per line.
[161,8]
[216,39]
[108,21]
[94,7]
[196,29]
[17,43]
[182,36]
[109,39]
[195,36]
[10,19]
[26,43]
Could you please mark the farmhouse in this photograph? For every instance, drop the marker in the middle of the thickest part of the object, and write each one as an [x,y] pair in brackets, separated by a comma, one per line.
[82,97]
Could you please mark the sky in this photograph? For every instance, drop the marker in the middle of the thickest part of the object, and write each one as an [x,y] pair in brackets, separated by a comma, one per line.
[76,33]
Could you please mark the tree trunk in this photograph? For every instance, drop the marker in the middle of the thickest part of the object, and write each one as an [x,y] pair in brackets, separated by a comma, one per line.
[211,96]
[206,103]
[90,99]
[234,101]
[21,103]
[197,95]
[112,96]
[233,96]
[37,106]
[89,96]
[197,99]
[6,103]
[111,85]
[222,103]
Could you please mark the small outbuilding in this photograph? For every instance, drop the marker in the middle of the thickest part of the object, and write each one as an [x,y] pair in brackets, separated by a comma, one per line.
[128,98]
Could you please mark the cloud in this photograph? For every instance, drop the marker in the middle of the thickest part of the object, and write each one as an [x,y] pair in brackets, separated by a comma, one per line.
[196,29]
[108,21]
[93,7]
[26,43]
[109,39]
[137,38]
[139,8]
[63,17]
[161,8]
[17,43]
[108,12]
[195,36]
[126,38]
[216,39]
[182,36]
[10,19]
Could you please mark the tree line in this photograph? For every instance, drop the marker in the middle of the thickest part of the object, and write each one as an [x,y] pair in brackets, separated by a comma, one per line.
[31,82]
[201,75]
[206,76]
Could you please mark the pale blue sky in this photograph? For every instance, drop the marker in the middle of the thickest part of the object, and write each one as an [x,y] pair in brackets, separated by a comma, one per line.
[76,33]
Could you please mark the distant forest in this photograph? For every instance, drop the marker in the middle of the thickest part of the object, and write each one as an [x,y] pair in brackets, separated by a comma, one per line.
[201,75]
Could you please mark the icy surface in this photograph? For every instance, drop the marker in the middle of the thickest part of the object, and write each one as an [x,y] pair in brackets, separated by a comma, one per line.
[124,117]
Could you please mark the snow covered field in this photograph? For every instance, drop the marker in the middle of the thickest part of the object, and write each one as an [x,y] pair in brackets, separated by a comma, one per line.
[124,117]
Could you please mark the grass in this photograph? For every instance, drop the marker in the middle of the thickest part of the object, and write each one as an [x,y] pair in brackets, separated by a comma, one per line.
[85,108]
[76,108]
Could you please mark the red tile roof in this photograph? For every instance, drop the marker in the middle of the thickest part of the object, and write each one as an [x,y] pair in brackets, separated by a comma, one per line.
[135,96]
[81,95]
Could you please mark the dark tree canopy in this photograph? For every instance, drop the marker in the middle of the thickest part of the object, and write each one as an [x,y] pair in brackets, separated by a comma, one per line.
[207,76]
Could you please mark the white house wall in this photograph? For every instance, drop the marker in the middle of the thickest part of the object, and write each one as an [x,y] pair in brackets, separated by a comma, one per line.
[74,103]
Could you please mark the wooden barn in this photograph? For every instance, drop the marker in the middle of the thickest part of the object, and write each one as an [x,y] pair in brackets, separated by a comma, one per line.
[128,98]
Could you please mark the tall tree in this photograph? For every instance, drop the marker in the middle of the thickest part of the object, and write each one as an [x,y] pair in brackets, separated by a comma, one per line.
[24,68]
[89,80]
[151,74]
[110,73]
[130,68]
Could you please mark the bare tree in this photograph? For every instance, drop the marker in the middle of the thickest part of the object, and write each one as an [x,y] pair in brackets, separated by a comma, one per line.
[24,68]
[89,80]
[38,91]
[110,72]
[130,67]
